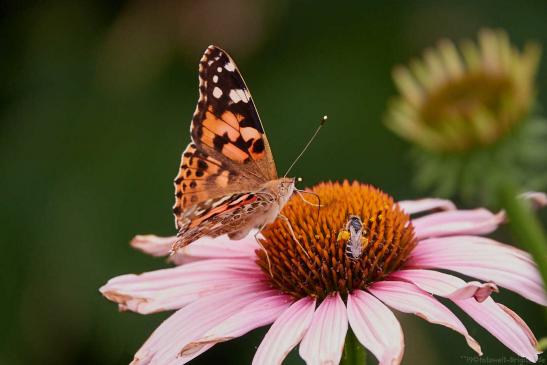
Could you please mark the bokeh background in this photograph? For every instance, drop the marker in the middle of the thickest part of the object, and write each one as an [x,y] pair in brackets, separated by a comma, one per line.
[96,99]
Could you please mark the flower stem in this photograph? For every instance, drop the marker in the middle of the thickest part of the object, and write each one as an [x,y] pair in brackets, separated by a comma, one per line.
[525,226]
[354,352]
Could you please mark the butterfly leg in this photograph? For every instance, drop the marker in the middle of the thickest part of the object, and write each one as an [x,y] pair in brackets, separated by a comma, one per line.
[263,249]
[292,233]
[299,192]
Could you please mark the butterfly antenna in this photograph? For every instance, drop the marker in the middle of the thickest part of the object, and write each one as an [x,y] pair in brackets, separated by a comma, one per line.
[323,120]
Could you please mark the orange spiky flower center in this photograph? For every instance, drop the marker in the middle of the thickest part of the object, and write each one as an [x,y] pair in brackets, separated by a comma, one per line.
[320,264]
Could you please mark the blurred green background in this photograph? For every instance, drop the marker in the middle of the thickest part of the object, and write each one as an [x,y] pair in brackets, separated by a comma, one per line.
[96,100]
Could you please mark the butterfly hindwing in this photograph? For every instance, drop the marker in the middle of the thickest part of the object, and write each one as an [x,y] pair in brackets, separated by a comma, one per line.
[199,178]
[231,214]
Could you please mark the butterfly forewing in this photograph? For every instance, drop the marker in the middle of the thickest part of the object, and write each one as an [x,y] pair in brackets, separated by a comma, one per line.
[226,121]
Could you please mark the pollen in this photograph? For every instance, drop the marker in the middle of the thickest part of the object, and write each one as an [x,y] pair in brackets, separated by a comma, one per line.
[313,261]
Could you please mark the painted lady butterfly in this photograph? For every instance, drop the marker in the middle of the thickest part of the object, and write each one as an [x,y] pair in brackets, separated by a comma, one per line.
[227,181]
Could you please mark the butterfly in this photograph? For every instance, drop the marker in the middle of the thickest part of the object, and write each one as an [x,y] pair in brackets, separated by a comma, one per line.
[352,235]
[227,182]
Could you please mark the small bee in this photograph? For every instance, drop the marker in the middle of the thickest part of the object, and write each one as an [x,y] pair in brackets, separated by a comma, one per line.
[352,234]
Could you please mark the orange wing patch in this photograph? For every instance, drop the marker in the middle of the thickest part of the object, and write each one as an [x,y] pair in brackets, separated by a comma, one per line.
[232,119]
[197,171]
[257,150]
[226,135]
[220,127]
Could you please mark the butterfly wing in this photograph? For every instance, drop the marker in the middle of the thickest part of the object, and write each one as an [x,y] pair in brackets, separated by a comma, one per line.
[229,153]
[226,122]
[233,214]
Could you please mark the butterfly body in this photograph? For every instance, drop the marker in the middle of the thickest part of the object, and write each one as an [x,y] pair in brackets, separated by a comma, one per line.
[227,181]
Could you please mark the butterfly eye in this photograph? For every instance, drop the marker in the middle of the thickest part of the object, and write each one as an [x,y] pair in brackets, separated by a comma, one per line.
[284,186]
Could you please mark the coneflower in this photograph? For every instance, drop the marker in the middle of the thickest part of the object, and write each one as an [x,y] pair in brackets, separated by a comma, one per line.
[223,289]
[469,110]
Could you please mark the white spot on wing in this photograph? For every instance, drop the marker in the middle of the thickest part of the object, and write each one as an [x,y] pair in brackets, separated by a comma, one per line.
[234,96]
[229,67]
[238,95]
[217,93]
[219,69]
[215,79]
[210,62]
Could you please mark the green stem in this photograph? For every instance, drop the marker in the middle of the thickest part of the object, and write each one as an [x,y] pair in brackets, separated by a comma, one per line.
[354,352]
[542,344]
[525,226]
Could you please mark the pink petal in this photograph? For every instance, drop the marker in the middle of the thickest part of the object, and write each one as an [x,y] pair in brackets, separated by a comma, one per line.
[257,314]
[376,327]
[423,205]
[538,199]
[533,340]
[458,222]
[153,245]
[174,288]
[220,247]
[504,324]
[204,248]
[485,259]
[324,341]
[193,321]
[287,330]
[407,298]
[446,285]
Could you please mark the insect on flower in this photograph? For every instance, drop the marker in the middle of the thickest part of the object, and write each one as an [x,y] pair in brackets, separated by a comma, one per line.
[354,236]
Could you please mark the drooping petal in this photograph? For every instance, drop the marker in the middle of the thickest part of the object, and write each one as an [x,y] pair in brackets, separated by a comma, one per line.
[174,288]
[376,327]
[484,259]
[457,222]
[465,222]
[504,324]
[220,247]
[287,330]
[204,248]
[257,314]
[193,321]
[408,298]
[446,285]
[324,341]
[500,321]
[423,205]
[152,244]
[537,198]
